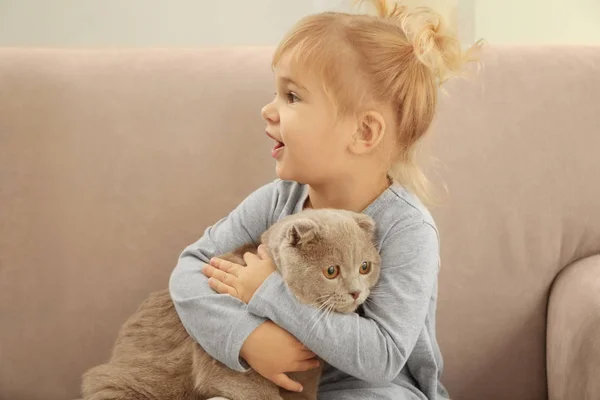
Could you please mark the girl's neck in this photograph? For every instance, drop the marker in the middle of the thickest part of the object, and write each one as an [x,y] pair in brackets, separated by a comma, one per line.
[350,193]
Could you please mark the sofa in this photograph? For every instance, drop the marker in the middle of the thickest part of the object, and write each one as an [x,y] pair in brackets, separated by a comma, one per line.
[113,160]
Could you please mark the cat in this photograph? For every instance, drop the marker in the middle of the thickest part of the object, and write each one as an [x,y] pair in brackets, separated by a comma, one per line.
[319,254]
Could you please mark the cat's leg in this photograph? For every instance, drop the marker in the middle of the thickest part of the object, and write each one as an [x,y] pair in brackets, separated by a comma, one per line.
[245,387]
[106,382]
[285,395]
[214,379]
[232,385]
[111,382]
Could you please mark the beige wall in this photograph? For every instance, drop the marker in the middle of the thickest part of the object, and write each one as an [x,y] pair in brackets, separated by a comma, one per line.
[159,22]
[147,22]
[169,23]
[538,21]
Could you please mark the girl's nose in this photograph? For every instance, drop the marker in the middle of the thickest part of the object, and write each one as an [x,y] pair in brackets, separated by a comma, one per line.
[269,113]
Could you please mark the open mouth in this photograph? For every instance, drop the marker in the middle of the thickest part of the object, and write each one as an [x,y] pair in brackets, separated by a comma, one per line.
[278,146]
[277,149]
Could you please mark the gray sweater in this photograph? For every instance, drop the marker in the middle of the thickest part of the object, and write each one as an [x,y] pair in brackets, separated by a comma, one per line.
[390,351]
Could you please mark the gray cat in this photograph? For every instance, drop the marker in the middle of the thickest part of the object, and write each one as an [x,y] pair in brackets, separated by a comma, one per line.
[326,257]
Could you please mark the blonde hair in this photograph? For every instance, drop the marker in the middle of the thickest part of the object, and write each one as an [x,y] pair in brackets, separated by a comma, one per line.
[399,56]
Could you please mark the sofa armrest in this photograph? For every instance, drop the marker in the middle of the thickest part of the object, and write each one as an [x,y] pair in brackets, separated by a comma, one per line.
[573,341]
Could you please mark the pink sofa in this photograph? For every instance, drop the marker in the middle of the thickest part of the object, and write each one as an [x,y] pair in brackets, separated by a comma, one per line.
[111,162]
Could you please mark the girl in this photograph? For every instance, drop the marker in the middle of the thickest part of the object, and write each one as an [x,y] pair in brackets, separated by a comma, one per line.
[355,94]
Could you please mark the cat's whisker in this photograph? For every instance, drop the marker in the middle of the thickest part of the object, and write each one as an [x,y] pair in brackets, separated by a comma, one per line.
[321,312]
[387,296]
[320,299]
[320,308]
[329,311]
[372,303]
[382,293]
[315,319]
[322,317]
[320,304]
[329,304]
[310,330]
[381,287]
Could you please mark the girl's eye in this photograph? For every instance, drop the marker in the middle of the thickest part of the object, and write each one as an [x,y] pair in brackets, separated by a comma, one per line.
[365,267]
[331,272]
[292,97]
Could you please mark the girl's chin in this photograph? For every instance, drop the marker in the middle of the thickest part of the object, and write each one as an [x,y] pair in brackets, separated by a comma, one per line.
[284,174]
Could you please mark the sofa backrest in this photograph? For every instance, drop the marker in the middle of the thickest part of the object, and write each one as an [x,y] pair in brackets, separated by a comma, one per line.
[112,161]
[519,150]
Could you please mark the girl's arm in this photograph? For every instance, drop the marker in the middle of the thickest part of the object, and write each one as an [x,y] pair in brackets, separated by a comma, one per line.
[219,323]
[374,347]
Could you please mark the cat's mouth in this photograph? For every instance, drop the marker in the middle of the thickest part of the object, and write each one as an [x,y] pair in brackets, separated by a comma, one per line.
[350,306]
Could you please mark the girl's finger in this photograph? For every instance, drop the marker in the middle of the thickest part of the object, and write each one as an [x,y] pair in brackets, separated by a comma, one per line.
[262,252]
[306,365]
[307,354]
[282,380]
[225,265]
[249,257]
[222,288]
[219,275]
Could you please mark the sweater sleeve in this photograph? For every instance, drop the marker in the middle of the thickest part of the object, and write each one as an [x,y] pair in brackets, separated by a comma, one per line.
[375,347]
[220,324]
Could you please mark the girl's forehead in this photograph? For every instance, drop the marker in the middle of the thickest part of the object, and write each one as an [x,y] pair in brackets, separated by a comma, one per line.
[286,67]
[288,70]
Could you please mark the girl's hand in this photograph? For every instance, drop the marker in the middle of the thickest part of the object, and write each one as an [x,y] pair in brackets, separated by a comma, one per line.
[239,281]
[272,351]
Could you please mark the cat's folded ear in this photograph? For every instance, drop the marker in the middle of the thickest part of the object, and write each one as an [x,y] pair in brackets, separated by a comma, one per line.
[366,223]
[302,231]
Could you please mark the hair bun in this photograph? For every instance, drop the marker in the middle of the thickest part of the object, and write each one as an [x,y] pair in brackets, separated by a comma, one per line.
[434,45]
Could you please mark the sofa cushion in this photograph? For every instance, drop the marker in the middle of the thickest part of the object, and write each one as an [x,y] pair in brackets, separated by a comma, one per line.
[574,332]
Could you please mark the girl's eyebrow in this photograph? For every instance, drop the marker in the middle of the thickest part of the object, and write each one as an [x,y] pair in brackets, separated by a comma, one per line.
[288,80]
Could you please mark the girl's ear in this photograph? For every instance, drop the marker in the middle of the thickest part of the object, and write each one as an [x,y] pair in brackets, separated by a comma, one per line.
[370,132]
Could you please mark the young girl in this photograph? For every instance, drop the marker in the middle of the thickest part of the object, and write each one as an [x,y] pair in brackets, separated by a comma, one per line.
[355,94]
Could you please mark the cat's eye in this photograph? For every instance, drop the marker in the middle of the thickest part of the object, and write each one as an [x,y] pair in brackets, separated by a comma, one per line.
[331,272]
[365,267]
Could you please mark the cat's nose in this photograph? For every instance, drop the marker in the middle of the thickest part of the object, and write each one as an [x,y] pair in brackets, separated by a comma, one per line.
[355,294]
